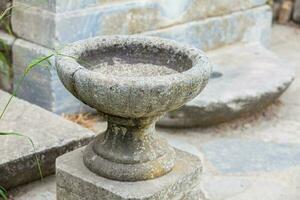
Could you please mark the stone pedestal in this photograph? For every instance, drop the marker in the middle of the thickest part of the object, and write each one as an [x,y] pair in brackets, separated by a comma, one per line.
[129,160]
[76,182]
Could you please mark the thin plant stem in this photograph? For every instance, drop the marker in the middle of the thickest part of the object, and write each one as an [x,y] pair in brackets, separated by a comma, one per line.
[3,193]
[33,146]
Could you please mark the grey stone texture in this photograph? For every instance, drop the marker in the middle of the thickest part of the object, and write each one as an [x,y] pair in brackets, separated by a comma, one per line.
[253,25]
[51,135]
[237,87]
[54,23]
[296,15]
[75,182]
[249,25]
[6,42]
[132,80]
[41,86]
[228,155]
[135,91]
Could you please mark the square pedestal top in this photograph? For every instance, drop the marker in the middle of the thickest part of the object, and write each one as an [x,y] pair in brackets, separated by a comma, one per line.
[75,181]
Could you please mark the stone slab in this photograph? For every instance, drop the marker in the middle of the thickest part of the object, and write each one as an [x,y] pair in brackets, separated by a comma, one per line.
[252,25]
[296,15]
[237,88]
[6,42]
[75,181]
[51,135]
[52,29]
[60,6]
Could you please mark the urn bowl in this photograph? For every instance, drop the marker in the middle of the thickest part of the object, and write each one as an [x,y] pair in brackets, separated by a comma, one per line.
[133,76]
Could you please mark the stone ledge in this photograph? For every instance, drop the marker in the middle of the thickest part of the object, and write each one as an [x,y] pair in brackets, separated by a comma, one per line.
[75,181]
[252,25]
[52,29]
[51,134]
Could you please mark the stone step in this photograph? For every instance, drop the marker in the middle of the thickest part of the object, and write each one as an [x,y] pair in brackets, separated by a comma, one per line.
[51,29]
[248,26]
[246,79]
[52,136]
[253,25]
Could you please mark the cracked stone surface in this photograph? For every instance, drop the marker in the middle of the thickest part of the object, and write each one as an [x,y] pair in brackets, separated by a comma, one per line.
[276,129]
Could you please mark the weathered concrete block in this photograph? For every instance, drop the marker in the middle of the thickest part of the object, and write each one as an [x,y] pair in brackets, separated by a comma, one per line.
[74,181]
[247,26]
[297,11]
[51,27]
[6,42]
[41,86]
[51,135]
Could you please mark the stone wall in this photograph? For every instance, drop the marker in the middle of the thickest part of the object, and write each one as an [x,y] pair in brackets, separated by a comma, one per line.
[62,22]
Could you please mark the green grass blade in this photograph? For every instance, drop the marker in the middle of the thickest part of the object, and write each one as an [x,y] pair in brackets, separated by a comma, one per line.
[32,144]
[3,193]
[4,65]
[36,62]
[33,64]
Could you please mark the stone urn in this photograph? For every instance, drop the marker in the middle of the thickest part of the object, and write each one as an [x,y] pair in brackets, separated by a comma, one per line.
[133,81]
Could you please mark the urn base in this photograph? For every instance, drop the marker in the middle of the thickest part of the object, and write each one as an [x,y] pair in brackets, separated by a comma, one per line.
[75,181]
